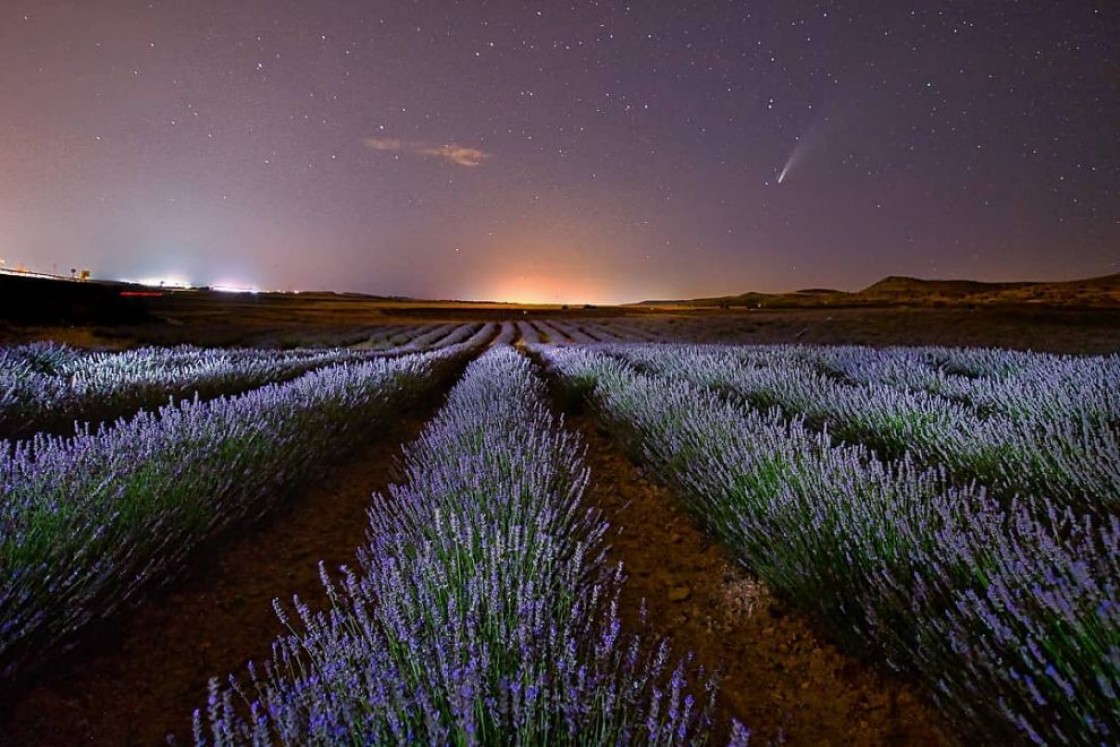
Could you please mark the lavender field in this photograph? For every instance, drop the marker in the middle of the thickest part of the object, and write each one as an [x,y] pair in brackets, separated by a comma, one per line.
[945,518]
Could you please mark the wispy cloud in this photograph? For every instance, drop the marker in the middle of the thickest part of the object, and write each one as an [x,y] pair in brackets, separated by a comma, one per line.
[459,154]
[383,143]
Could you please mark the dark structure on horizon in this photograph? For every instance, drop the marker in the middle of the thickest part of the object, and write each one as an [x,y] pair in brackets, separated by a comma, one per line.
[38,300]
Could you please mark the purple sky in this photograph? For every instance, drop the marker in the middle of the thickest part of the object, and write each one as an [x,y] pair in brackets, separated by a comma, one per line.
[560,152]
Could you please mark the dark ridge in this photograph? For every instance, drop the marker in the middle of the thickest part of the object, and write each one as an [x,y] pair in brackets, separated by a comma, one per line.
[895,290]
[904,284]
[44,300]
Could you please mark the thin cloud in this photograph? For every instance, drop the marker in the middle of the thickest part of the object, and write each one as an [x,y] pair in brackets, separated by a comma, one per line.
[458,154]
[383,143]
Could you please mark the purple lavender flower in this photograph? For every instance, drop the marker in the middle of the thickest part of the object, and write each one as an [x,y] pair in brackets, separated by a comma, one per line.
[484,610]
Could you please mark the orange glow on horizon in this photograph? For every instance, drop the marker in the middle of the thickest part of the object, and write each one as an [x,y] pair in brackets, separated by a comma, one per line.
[547,289]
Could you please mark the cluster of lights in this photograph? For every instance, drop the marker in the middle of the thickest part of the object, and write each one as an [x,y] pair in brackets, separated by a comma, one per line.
[158,282]
[176,282]
[230,288]
[168,282]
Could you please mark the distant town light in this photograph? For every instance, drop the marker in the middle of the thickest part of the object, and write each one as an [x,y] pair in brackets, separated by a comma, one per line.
[226,288]
[161,282]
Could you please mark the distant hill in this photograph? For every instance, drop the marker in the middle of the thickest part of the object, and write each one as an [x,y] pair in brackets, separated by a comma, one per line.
[897,290]
[893,285]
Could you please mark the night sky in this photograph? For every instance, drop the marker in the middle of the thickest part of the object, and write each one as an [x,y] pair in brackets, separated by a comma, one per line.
[553,151]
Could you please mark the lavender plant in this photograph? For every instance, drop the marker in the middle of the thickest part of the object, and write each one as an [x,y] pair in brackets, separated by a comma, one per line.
[1019,632]
[507,334]
[380,337]
[634,331]
[47,388]
[553,331]
[1073,459]
[1032,388]
[444,334]
[990,362]
[750,476]
[398,337]
[484,610]
[574,332]
[528,333]
[1006,609]
[88,522]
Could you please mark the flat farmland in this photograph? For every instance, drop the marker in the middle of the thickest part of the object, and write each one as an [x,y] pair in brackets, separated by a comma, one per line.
[335,520]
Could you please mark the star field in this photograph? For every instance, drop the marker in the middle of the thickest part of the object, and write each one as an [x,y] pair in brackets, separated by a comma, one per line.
[586,151]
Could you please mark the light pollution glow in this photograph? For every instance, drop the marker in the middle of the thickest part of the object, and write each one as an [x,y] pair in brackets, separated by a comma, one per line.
[525,288]
[543,288]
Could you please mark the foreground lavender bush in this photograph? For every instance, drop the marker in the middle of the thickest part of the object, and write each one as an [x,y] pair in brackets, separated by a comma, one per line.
[1008,610]
[1019,623]
[483,612]
[87,522]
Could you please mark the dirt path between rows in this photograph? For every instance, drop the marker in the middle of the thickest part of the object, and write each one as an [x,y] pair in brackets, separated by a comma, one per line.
[143,677]
[781,679]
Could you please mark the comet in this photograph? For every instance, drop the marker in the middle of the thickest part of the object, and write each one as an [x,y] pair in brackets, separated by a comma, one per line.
[795,157]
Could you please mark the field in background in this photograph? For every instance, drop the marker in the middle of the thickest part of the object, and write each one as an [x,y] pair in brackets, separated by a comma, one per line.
[323,319]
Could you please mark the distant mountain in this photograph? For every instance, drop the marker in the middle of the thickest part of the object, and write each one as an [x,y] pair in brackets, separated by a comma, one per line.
[897,290]
[895,285]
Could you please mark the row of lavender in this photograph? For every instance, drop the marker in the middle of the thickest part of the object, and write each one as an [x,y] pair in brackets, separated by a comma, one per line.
[88,522]
[48,388]
[1006,383]
[1007,609]
[414,338]
[1008,433]
[411,336]
[483,610]
[561,331]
